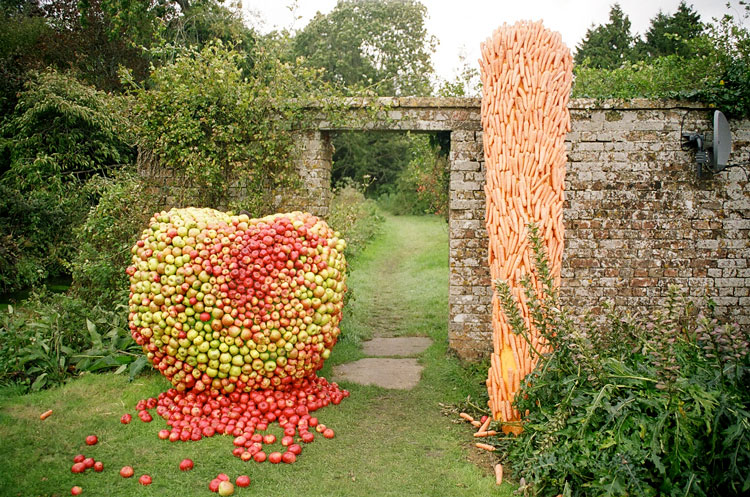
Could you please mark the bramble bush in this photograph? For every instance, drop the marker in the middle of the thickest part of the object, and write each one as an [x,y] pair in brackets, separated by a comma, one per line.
[656,406]
[218,117]
[105,238]
[357,218]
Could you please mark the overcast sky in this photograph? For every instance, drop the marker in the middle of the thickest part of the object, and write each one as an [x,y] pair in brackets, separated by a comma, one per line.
[461,25]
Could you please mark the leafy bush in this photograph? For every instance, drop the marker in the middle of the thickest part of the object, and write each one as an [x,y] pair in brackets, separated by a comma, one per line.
[357,219]
[53,337]
[60,134]
[104,240]
[633,406]
[37,233]
[219,119]
[422,186]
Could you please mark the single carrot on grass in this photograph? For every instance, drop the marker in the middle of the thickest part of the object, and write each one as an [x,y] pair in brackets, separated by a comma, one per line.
[45,415]
[466,417]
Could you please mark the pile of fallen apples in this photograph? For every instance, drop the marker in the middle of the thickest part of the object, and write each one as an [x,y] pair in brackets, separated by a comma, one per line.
[238,314]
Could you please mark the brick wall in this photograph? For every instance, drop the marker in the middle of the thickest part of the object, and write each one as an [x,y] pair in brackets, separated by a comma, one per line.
[637,220]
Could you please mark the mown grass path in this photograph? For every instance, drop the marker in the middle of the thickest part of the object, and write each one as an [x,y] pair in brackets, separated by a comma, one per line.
[388,442]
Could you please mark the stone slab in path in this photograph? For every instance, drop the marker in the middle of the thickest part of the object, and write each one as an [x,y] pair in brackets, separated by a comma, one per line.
[401,374]
[398,346]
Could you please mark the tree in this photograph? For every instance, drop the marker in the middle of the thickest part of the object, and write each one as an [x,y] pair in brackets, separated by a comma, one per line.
[670,34]
[378,44]
[169,24]
[607,46]
[379,47]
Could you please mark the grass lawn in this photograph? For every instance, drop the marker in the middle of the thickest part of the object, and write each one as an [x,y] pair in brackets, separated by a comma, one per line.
[388,442]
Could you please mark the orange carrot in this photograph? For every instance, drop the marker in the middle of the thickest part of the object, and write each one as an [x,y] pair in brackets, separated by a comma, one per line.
[466,417]
[498,474]
[45,415]
[484,446]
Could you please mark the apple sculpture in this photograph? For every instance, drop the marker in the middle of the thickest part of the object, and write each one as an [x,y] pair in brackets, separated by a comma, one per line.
[223,303]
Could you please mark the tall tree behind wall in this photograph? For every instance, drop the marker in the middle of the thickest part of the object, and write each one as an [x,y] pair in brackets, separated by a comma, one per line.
[372,47]
[671,34]
[608,45]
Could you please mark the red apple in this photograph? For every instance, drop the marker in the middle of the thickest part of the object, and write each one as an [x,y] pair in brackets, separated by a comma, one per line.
[259,456]
[274,457]
[98,466]
[91,440]
[186,465]
[88,462]
[243,481]
[79,458]
[78,467]
[144,480]
[126,418]
[222,477]
[288,457]
[76,490]
[214,485]
[126,471]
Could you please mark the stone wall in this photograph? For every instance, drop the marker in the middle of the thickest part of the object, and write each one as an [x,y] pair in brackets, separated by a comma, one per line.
[637,220]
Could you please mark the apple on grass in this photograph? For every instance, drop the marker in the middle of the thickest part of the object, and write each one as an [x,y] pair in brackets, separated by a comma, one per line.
[226,488]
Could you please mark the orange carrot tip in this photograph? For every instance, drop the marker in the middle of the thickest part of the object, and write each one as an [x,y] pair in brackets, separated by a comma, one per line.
[45,415]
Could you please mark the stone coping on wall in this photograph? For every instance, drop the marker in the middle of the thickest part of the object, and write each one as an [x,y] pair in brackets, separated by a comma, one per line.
[474,102]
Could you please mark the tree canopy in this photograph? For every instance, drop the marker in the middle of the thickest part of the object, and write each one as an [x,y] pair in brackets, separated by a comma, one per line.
[671,34]
[608,45]
[381,45]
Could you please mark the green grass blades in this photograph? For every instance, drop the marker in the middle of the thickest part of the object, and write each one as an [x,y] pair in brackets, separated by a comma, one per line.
[387,443]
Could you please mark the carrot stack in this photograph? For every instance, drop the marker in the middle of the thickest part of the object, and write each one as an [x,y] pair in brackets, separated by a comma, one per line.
[526,75]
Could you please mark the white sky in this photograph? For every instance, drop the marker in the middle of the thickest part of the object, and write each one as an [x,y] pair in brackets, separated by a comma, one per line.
[461,25]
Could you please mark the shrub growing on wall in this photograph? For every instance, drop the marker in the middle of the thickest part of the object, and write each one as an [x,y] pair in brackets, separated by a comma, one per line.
[220,118]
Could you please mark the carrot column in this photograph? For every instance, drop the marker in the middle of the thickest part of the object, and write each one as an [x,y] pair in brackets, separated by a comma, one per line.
[526,75]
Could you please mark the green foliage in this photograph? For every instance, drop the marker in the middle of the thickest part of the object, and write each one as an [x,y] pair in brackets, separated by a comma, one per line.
[671,34]
[53,337]
[422,187]
[61,133]
[104,240]
[712,67]
[631,406]
[217,126]
[379,45]
[357,219]
[607,46]
[22,28]
[373,159]
[36,240]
